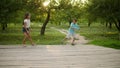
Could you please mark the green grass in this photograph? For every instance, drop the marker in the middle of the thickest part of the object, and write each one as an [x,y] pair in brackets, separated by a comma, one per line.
[107,43]
[13,36]
[52,37]
[99,35]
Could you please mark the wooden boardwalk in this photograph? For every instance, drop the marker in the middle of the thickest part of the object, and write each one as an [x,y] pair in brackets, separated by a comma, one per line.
[60,56]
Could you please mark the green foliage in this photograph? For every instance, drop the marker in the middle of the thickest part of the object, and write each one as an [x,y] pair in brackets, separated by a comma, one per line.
[8,8]
[106,10]
[8,11]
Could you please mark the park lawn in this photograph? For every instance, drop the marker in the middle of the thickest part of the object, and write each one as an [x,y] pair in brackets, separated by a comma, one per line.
[14,36]
[99,35]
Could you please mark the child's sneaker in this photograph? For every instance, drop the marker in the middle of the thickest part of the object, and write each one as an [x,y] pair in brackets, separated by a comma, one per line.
[72,44]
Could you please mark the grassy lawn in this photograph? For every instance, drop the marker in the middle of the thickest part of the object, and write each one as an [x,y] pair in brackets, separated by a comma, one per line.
[98,34]
[13,35]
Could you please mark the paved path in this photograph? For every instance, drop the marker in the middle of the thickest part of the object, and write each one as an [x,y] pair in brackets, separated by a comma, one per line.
[59,56]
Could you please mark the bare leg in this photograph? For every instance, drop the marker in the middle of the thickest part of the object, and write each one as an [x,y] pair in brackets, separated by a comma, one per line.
[73,40]
[24,40]
[30,39]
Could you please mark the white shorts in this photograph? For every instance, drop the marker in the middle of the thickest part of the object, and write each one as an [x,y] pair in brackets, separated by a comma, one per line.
[69,36]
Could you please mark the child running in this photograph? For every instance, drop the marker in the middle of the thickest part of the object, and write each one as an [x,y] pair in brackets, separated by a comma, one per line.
[71,32]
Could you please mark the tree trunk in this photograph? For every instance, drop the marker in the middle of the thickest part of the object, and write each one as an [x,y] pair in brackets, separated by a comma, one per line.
[106,24]
[4,26]
[119,35]
[70,21]
[89,23]
[59,23]
[117,25]
[110,25]
[119,28]
[45,23]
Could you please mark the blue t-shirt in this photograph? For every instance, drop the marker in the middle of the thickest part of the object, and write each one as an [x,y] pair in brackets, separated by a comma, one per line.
[73,27]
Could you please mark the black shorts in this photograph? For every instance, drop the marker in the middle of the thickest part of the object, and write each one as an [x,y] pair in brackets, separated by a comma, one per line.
[24,30]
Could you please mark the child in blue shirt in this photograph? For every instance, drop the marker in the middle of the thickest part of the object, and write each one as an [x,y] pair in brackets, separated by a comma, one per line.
[71,31]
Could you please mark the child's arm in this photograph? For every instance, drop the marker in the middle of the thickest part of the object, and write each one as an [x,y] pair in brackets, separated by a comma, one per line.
[75,26]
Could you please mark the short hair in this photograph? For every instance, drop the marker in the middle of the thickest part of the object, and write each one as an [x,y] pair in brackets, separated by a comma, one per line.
[26,15]
[75,20]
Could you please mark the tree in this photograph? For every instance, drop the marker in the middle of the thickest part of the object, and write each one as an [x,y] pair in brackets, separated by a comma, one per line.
[41,11]
[8,9]
[108,10]
[46,22]
[65,6]
[62,10]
